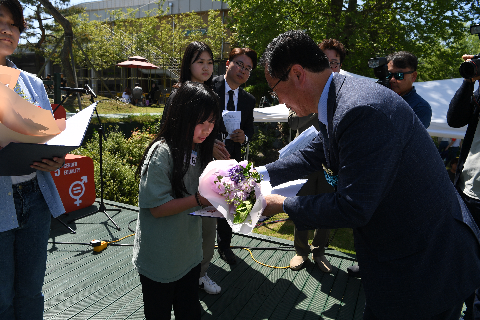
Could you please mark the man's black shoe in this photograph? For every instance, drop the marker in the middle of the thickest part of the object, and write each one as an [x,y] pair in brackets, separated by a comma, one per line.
[227,255]
[354,271]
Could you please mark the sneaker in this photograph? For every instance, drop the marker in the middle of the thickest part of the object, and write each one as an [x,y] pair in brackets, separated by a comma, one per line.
[323,263]
[296,263]
[208,285]
[354,271]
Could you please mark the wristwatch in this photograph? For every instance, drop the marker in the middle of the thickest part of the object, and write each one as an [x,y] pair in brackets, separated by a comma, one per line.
[246,140]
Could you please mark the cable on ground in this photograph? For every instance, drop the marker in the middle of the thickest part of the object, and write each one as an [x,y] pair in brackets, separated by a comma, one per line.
[100,245]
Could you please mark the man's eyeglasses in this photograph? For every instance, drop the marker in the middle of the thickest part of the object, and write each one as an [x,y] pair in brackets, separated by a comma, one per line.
[398,75]
[334,64]
[272,93]
[242,66]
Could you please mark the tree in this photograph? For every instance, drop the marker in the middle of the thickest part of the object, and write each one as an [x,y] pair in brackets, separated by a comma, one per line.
[44,31]
[66,54]
[431,66]
[367,28]
[159,37]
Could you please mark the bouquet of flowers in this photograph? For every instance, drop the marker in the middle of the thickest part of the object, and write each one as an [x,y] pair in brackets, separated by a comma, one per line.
[234,189]
[238,188]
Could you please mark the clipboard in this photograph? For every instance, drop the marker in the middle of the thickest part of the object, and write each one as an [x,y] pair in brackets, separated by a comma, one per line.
[16,158]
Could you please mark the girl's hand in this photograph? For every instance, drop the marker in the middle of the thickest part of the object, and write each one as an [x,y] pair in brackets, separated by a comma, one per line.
[48,165]
[204,201]
[219,151]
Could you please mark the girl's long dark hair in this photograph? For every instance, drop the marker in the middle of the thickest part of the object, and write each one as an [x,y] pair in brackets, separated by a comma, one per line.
[193,52]
[193,103]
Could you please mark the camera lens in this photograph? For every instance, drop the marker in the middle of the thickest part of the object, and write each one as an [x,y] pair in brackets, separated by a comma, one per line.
[469,69]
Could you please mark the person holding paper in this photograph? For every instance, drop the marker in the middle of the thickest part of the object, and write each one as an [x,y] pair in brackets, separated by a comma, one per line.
[237,124]
[28,202]
[316,183]
[197,66]
[416,241]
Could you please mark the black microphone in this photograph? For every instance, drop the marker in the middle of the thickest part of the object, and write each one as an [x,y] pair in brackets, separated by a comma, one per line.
[89,90]
[79,90]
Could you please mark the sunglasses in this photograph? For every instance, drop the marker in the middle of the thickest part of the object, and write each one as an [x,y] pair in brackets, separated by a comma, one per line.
[398,75]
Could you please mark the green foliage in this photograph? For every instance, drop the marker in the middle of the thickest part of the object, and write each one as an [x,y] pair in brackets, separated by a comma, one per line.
[268,139]
[158,37]
[120,160]
[431,67]
[258,87]
[367,29]
[40,25]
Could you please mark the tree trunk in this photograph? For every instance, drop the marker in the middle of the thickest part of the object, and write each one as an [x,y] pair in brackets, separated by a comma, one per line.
[333,30]
[67,43]
[349,28]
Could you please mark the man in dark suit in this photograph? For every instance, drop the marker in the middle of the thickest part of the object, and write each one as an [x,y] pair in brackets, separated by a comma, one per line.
[415,239]
[316,183]
[241,62]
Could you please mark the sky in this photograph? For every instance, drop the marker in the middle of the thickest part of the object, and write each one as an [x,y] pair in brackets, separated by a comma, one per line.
[74,2]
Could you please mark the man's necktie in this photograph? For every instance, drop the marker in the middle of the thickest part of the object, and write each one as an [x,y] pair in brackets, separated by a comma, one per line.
[230,103]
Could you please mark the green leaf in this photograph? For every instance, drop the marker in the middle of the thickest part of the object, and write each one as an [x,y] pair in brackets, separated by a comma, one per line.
[242,211]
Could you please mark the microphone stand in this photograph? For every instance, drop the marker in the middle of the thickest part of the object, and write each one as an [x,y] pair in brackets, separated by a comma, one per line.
[101,136]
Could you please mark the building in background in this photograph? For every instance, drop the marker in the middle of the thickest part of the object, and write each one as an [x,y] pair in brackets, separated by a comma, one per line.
[115,78]
[98,10]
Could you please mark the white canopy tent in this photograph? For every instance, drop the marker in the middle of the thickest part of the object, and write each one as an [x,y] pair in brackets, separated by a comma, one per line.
[438,93]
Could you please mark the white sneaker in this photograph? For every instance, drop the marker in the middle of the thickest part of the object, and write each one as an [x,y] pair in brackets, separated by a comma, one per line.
[208,285]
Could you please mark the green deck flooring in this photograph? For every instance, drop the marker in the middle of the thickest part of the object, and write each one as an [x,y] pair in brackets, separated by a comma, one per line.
[82,284]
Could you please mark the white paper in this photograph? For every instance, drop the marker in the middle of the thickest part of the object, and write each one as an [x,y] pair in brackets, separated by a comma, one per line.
[75,129]
[232,120]
[299,142]
[287,189]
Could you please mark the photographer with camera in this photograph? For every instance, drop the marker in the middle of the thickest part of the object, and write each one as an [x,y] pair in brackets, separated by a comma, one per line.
[398,71]
[464,110]
[402,73]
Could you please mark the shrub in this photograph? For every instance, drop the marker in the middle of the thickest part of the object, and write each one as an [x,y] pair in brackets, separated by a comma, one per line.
[268,139]
[120,160]
[121,156]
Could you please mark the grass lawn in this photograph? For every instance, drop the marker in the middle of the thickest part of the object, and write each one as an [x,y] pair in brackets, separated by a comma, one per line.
[343,239]
[108,106]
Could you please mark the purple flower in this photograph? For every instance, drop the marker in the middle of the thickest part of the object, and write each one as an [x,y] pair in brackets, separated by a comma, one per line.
[236,174]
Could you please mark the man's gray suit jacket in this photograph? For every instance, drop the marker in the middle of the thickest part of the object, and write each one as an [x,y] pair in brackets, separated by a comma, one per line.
[416,242]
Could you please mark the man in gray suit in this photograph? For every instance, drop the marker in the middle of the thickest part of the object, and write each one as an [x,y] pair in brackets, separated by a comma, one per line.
[316,183]
[416,241]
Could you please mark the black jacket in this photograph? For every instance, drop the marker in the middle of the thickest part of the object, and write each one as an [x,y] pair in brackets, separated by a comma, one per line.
[246,104]
[464,110]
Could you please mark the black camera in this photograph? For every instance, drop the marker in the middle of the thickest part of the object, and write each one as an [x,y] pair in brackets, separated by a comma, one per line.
[470,69]
[380,70]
